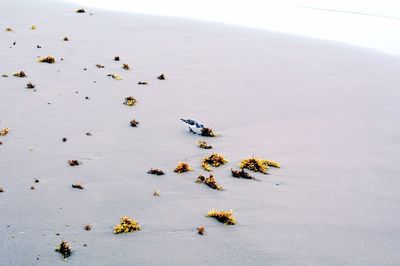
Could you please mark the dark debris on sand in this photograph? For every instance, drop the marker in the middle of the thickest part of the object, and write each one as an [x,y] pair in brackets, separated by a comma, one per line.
[156,172]
[64,249]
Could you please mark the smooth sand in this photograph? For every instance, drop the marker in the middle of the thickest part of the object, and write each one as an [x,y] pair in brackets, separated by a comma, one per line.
[328,113]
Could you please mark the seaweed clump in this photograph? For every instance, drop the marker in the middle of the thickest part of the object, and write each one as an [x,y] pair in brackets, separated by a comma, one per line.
[222,216]
[116,58]
[214,160]
[182,167]
[87,227]
[74,162]
[64,249]
[241,174]
[125,66]
[142,83]
[33,27]
[161,77]
[1,189]
[80,10]
[78,185]
[258,165]
[156,193]
[204,145]
[4,131]
[134,123]
[48,59]
[20,74]
[115,76]
[155,172]
[126,225]
[130,101]
[30,85]
[66,39]
[209,181]
[208,132]
[99,66]
[9,29]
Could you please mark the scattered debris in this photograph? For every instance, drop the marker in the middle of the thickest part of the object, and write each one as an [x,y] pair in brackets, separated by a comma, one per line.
[87,98]
[99,66]
[78,185]
[87,227]
[204,145]
[134,123]
[115,76]
[9,29]
[88,134]
[161,77]
[4,76]
[222,216]
[14,43]
[37,180]
[66,39]
[38,46]
[155,172]
[208,132]
[125,66]
[130,101]
[33,27]
[182,167]
[30,85]
[116,58]
[214,160]
[156,193]
[1,143]
[74,162]
[255,164]
[127,225]
[32,187]
[142,83]
[201,230]
[48,59]
[64,139]
[80,10]
[241,174]
[4,131]
[64,249]
[20,74]
[209,181]
[1,190]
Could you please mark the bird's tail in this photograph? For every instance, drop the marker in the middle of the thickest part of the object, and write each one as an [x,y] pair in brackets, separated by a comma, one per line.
[184,120]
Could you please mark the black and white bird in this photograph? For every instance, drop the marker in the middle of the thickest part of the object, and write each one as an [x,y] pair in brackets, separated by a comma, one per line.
[194,126]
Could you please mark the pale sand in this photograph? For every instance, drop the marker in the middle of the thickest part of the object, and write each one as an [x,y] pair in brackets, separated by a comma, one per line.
[328,112]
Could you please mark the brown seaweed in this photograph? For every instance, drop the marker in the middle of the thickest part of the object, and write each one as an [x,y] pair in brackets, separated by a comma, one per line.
[222,216]
[64,249]
[155,172]
[48,59]
[204,145]
[78,185]
[130,101]
[20,74]
[214,160]
[126,225]
[182,167]
[134,123]
[74,162]
[209,181]
[161,77]
[30,85]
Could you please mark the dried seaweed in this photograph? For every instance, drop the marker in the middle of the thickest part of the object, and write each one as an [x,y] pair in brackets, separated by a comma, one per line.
[64,249]
[142,83]
[99,66]
[116,58]
[4,131]
[209,181]
[32,187]
[30,85]
[241,174]
[78,185]
[214,160]
[80,10]
[20,74]
[156,193]
[273,163]
[48,59]
[201,230]
[33,27]
[155,172]
[87,227]
[126,225]
[125,66]
[74,162]
[134,123]
[115,76]
[9,29]
[182,167]
[204,145]
[255,164]
[208,132]
[64,139]
[4,76]
[66,39]
[1,190]
[222,216]
[130,101]
[161,77]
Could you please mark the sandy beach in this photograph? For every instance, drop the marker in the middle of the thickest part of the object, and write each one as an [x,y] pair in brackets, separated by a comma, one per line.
[327,112]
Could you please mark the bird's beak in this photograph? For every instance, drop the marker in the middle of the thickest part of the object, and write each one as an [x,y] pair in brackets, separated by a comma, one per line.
[184,120]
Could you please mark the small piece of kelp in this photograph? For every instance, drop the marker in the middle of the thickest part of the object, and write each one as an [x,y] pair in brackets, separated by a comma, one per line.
[78,185]
[30,85]
[155,172]
[161,77]
[134,123]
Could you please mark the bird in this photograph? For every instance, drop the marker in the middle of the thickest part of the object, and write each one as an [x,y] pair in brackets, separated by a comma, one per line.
[195,126]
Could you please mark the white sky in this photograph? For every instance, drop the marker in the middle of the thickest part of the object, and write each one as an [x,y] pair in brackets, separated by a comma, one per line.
[289,16]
